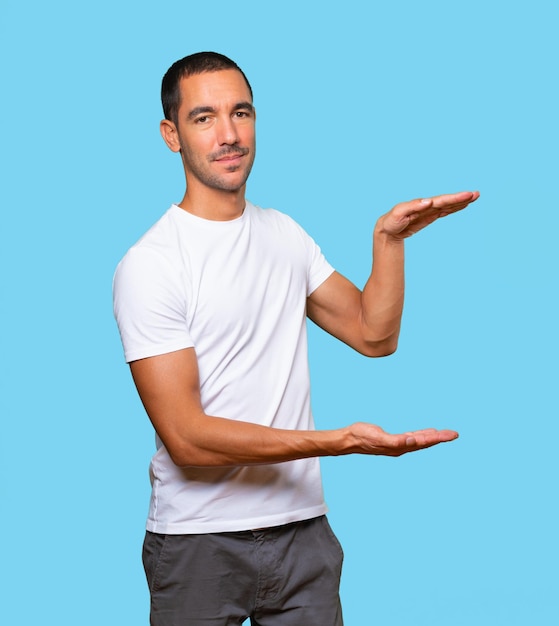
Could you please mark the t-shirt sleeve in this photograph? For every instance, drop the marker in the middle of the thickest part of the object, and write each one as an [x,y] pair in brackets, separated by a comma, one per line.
[319,268]
[149,303]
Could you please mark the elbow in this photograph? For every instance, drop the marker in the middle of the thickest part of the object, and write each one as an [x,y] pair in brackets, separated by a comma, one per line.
[185,461]
[184,455]
[179,457]
[387,351]
[379,340]
[187,455]
[377,349]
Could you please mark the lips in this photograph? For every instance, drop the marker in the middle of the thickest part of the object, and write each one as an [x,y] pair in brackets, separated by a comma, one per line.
[230,155]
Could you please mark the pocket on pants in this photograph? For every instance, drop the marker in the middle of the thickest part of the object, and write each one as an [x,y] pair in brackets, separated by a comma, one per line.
[152,550]
[332,536]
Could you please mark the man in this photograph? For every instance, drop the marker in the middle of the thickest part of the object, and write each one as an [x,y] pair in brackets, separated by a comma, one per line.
[211,304]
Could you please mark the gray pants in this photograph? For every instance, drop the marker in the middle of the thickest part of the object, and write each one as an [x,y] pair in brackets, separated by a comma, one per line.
[282,576]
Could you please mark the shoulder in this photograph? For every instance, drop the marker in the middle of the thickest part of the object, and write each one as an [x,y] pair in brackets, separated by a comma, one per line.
[156,245]
[153,261]
[274,219]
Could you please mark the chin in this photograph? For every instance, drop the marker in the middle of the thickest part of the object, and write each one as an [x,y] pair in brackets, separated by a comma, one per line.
[232,185]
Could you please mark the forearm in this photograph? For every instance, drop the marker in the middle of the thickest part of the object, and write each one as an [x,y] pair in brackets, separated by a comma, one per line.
[209,441]
[382,299]
[383,296]
[225,443]
[169,388]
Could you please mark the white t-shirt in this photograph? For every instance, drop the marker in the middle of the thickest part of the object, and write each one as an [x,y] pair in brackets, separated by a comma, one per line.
[235,291]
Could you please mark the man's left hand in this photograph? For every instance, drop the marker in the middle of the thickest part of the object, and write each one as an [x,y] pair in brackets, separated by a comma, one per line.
[407,218]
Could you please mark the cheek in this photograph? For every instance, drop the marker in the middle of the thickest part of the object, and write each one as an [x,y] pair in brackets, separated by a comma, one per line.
[194,151]
[249,141]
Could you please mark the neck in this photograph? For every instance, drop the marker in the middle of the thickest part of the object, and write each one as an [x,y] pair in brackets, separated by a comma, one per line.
[214,204]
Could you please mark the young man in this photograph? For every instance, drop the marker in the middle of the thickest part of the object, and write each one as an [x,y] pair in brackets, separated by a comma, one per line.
[211,305]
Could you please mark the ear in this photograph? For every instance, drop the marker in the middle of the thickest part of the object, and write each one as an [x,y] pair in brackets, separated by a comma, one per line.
[170,135]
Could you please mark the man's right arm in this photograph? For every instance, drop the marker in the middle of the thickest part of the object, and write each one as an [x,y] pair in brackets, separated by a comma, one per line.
[169,387]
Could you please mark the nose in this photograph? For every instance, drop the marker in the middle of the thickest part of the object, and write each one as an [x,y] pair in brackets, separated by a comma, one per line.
[226,131]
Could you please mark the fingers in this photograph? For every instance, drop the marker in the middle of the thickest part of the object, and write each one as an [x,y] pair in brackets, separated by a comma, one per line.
[372,439]
[408,218]
[397,445]
[446,202]
[431,208]
[428,437]
[449,203]
[463,197]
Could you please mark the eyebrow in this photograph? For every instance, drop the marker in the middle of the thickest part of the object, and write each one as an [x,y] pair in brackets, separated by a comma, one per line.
[208,109]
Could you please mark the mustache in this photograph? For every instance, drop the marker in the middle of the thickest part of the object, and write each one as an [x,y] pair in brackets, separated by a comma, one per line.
[229,151]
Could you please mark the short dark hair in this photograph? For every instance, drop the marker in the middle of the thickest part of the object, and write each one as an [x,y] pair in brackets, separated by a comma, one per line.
[197,63]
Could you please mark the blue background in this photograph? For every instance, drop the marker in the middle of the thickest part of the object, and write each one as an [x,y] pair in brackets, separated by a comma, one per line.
[360,105]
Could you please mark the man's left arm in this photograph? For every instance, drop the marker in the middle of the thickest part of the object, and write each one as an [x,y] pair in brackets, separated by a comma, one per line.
[369,320]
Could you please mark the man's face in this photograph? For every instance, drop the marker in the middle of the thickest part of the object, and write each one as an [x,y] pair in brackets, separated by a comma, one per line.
[216,130]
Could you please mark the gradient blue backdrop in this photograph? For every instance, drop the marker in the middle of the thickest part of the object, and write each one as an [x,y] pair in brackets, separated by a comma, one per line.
[360,105]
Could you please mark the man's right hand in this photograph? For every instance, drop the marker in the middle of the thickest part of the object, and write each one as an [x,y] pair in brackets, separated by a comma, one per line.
[169,388]
[372,439]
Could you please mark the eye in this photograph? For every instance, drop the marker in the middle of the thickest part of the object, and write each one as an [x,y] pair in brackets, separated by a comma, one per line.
[203,119]
[242,114]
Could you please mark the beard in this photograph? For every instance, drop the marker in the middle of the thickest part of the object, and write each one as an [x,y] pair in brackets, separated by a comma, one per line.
[200,167]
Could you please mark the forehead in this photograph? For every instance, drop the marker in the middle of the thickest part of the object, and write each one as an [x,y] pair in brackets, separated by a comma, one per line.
[216,89]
